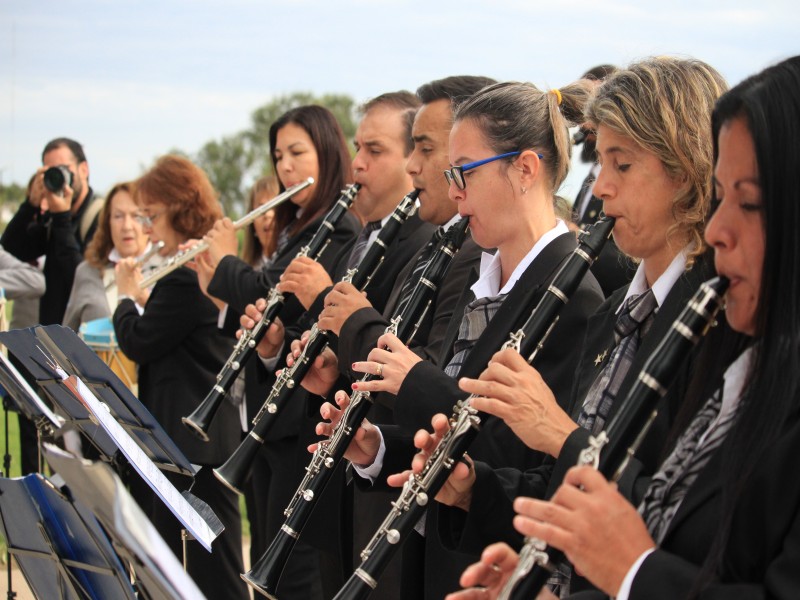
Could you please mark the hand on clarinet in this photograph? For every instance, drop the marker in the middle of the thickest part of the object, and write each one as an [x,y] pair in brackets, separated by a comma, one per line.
[485,579]
[598,530]
[363,448]
[390,361]
[512,390]
[457,491]
[341,302]
[272,342]
[306,279]
[324,372]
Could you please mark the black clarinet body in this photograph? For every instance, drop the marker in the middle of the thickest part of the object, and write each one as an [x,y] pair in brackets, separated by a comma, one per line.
[265,574]
[200,420]
[235,471]
[465,423]
[610,451]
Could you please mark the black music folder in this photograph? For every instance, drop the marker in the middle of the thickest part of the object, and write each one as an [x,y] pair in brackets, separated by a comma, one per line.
[59,545]
[157,572]
[35,347]
[88,395]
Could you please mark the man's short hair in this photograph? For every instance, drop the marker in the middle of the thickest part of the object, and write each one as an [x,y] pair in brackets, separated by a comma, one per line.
[74,147]
[456,88]
[403,101]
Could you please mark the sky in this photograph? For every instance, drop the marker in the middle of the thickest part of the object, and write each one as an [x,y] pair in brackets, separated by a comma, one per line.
[133,80]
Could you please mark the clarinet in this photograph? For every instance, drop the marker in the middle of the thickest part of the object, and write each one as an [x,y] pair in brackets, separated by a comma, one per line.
[236,469]
[610,451]
[200,420]
[266,573]
[465,423]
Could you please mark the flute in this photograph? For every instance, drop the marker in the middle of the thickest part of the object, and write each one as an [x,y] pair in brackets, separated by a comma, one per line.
[140,260]
[265,574]
[200,420]
[236,469]
[181,258]
[465,424]
[610,450]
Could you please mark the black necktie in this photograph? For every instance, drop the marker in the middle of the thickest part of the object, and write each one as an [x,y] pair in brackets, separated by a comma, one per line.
[422,261]
[360,247]
[632,324]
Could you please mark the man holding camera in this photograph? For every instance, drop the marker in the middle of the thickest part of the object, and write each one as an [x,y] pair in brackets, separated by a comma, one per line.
[57,220]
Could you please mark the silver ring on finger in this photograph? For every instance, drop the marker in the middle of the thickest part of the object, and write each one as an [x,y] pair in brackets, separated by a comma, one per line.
[379,371]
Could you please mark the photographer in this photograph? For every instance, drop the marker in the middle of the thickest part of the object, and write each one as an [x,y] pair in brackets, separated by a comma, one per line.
[57,220]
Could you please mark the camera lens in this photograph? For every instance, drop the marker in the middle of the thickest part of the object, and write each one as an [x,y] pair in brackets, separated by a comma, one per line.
[55,178]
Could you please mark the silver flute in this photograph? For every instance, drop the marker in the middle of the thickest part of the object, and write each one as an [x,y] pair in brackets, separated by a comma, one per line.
[181,258]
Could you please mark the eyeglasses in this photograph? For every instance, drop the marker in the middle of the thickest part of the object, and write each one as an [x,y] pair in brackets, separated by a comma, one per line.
[147,220]
[456,174]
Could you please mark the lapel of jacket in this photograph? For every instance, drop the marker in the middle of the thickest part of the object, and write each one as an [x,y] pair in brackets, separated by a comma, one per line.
[707,484]
[519,304]
[674,303]
[451,334]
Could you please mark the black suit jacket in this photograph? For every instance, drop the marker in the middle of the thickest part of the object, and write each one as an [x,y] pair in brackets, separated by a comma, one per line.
[239,284]
[56,236]
[763,551]
[320,531]
[361,331]
[179,350]
[427,390]
[491,511]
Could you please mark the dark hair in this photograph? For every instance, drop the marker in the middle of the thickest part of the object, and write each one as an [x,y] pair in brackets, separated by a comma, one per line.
[334,164]
[74,147]
[599,73]
[456,88]
[252,250]
[97,250]
[769,102]
[518,116]
[184,189]
[402,101]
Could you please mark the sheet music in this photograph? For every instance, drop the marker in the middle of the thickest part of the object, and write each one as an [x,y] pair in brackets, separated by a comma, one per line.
[33,397]
[99,488]
[179,506]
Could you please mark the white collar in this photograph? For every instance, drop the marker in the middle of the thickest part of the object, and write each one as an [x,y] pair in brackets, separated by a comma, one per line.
[662,285]
[488,283]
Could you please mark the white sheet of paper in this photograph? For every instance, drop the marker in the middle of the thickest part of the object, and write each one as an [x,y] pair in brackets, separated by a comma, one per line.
[179,506]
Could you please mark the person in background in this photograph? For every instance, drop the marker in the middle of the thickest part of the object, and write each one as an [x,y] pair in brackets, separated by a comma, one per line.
[180,350]
[53,227]
[119,235]
[612,268]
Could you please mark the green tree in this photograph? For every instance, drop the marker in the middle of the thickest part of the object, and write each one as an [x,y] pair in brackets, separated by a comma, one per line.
[234,162]
[11,196]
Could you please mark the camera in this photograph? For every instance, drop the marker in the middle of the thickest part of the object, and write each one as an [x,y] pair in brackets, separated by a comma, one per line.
[55,178]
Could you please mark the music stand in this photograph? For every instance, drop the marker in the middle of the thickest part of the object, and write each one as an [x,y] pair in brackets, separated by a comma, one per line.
[111,417]
[26,345]
[157,572]
[59,546]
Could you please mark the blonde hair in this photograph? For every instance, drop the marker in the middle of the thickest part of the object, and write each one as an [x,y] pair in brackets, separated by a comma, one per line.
[664,105]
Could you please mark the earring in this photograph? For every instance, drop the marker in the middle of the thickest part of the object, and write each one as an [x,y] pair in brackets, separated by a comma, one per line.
[524,190]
